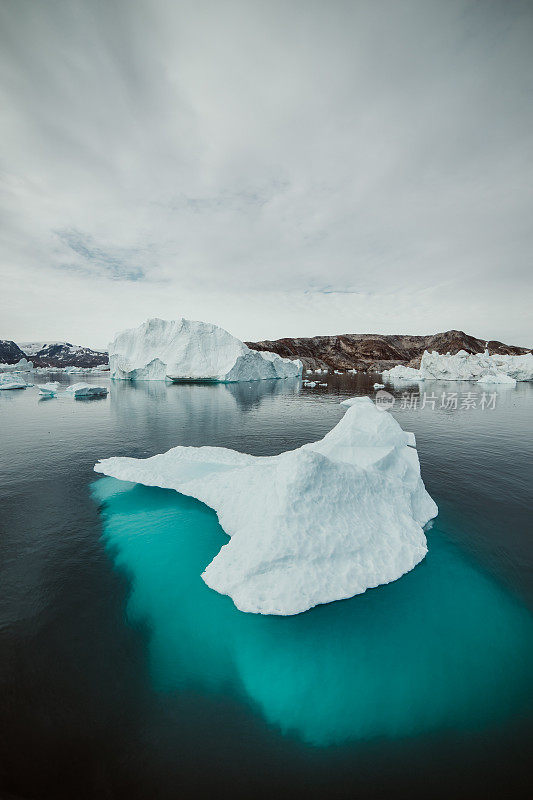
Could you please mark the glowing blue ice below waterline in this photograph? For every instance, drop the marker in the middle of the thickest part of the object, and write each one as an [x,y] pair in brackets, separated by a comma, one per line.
[445,646]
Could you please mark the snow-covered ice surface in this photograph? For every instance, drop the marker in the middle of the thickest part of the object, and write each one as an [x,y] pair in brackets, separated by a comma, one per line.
[86,390]
[401,373]
[497,378]
[185,350]
[465,366]
[321,523]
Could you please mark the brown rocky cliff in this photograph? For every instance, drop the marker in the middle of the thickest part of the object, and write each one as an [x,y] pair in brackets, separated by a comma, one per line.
[370,351]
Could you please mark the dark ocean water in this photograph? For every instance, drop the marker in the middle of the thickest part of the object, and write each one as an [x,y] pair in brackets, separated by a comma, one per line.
[123,676]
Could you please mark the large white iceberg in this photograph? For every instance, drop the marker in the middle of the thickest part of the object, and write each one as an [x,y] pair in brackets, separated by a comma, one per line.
[324,522]
[185,350]
[465,366]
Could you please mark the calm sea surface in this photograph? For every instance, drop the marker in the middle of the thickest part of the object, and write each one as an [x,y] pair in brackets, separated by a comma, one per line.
[122,675]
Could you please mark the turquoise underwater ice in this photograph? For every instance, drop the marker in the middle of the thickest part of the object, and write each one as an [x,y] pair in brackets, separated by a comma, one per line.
[443,647]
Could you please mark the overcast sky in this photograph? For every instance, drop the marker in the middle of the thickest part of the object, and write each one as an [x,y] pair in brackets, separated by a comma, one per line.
[280,168]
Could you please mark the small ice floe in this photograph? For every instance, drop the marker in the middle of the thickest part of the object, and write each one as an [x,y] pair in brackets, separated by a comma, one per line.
[496,378]
[324,522]
[13,383]
[309,371]
[310,384]
[379,386]
[49,389]
[86,390]
[338,372]
[352,371]
[322,384]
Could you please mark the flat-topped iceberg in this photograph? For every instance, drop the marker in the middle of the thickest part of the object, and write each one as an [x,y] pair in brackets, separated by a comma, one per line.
[324,522]
[86,390]
[185,350]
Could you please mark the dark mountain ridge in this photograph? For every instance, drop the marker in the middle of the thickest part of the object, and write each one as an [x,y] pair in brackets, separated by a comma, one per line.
[64,354]
[51,354]
[10,353]
[376,351]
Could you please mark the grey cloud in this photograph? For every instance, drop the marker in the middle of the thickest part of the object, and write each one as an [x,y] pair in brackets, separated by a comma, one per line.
[384,149]
[115,265]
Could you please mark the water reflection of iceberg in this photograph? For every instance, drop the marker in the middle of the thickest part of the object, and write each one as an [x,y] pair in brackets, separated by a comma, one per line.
[252,394]
[245,395]
[443,647]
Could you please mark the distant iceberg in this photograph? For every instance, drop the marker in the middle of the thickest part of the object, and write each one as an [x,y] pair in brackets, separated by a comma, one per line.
[185,350]
[465,366]
[21,366]
[401,373]
[321,523]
